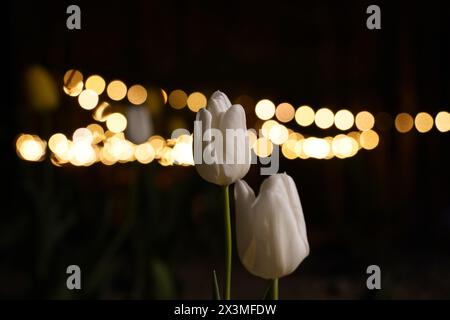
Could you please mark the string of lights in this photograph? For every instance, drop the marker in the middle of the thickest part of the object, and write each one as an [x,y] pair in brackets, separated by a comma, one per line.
[93,144]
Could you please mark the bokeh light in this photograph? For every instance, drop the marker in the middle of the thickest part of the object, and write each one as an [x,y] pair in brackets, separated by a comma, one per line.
[144,153]
[178,99]
[157,142]
[364,121]
[267,126]
[116,90]
[344,119]
[96,83]
[82,135]
[137,94]
[369,139]
[58,143]
[263,147]
[443,121]
[73,82]
[344,146]
[278,134]
[97,132]
[288,149]
[285,112]
[316,148]
[88,99]
[404,122]
[423,122]
[304,116]
[182,151]
[30,148]
[102,112]
[116,122]
[196,101]
[324,118]
[265,109]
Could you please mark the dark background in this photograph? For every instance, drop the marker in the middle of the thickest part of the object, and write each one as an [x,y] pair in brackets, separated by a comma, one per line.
[156,232]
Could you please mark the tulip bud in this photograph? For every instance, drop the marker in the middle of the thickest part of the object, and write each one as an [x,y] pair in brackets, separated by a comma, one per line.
[140,126]
[221,147]
[41,88]
[270,229]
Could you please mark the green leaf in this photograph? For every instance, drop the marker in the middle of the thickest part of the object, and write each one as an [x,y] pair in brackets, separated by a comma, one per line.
[216,290]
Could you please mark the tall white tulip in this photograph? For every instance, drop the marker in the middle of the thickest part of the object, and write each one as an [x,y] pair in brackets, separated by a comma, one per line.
[270,229]
[221,147]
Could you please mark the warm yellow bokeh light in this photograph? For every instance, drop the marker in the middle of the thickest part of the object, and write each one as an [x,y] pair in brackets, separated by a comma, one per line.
[344,119]
[144,153]
[58,143]
[285,112]
[263,147]
[82,154]
[364,121]
[267,126]
[295,136]
[288,149]
[182,151]
[178,99]
[73,82]
[96,83]
[116,122]
[164,96]
[116,90]
[404,122]
[196,101]
[344,146]
[265,109]
[30,148]
[278,134]
[304,116]
[102,112]
[97,131]
[82,135]
[423,122]
[299,150]
[137,94]
[443,121]
[369,139]
[324,118]
[157,143]
[316,148]
[356,136]
[166,157]
[88,99]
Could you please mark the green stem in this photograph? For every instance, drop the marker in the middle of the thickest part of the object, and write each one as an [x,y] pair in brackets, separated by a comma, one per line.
[227,243]
[274,289]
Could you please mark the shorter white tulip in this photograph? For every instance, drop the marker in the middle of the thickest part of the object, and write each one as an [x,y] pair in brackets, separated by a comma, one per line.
[270,229]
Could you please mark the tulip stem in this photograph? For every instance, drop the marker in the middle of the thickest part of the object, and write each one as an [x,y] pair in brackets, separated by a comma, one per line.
[228,243]
[274,288]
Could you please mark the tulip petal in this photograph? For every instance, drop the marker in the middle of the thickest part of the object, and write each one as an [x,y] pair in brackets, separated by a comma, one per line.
[294,200]
[236,147]
[244,199]
[218,103]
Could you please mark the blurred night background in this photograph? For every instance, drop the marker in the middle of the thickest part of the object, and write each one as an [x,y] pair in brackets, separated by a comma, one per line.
[154,230]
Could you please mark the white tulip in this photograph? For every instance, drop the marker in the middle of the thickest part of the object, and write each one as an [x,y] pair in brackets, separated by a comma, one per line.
[221,147]
[270,229]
